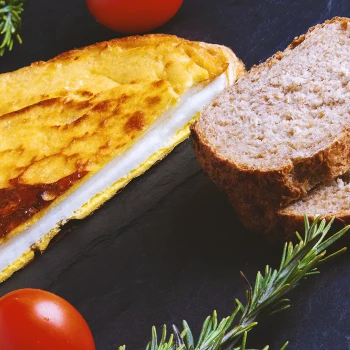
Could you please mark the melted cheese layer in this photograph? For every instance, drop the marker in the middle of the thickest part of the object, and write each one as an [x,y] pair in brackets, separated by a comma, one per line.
[169,130]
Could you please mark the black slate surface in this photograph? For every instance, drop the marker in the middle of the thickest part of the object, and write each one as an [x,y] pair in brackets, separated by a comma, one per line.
[169,247]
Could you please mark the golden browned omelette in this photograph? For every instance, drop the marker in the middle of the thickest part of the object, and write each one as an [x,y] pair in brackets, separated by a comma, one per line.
[76,129]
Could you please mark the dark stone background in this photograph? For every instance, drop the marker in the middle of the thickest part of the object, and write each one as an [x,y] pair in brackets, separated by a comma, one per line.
[169,247]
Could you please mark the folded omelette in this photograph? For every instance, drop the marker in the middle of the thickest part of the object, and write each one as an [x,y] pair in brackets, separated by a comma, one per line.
[76,129]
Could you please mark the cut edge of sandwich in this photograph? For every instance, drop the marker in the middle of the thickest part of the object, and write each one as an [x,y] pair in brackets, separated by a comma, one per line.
[174,127]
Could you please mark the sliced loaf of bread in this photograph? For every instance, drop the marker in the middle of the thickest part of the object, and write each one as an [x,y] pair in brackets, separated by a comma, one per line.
[282,128]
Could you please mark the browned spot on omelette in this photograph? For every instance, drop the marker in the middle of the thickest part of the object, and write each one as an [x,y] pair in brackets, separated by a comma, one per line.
[86,93]
[135,123]
[103,106]
[122,99]
[20,202]
[153,100]
[76,105]
[158,83]
[80,120]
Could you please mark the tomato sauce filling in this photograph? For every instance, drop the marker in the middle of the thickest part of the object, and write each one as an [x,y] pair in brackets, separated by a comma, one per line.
[22,201]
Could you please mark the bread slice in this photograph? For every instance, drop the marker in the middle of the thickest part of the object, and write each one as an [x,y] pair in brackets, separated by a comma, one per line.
[76,129]
[283,127]
[330,199]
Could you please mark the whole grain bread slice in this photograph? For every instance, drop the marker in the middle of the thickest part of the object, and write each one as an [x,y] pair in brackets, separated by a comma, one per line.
[283,127]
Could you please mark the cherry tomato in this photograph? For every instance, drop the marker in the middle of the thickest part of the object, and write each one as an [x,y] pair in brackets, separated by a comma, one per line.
[133,16]
[32,319]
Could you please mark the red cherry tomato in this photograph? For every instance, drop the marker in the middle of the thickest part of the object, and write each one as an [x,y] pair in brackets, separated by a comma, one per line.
[32,319]
[133,16]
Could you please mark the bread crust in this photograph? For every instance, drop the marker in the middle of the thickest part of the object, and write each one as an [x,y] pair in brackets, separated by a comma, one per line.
[286,223]
[255,194]
[285,226]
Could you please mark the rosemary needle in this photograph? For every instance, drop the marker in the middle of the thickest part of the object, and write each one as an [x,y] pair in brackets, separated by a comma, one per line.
[10,23]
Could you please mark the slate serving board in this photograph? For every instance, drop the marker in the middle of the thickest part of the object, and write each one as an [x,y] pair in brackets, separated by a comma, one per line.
[169,246]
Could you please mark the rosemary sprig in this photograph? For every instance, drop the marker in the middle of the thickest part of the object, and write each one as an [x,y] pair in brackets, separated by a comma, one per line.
[267,296]
[10,23]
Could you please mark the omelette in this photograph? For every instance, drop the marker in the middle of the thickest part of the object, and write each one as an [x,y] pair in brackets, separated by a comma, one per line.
[76,129]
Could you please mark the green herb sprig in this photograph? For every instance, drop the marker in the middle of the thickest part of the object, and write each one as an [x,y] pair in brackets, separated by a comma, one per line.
[10,23]
[266,297]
